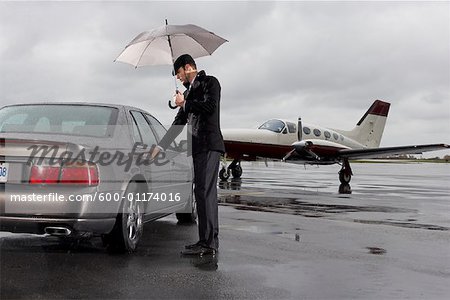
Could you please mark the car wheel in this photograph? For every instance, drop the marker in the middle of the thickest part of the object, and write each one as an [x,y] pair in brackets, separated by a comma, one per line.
[129,224]
[191,217]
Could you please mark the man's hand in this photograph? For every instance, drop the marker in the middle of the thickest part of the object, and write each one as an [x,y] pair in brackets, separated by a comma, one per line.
[155,152]
[179,99]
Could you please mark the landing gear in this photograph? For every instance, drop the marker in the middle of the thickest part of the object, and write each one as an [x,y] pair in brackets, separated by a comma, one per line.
[224,174]
[345,175]
[234,169]
[344,178]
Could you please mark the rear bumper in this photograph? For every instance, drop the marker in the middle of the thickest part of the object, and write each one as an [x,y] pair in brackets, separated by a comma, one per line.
[37,225]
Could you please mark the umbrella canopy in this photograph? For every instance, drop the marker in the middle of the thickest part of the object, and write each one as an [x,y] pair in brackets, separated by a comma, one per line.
[161,45]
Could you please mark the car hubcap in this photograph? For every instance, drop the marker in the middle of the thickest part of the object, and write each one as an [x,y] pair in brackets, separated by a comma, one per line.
[134,221]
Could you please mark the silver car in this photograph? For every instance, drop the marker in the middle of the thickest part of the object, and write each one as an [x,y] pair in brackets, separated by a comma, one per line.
[78,170]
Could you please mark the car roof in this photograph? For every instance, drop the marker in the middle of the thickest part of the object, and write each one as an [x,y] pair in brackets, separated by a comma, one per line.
[76,103]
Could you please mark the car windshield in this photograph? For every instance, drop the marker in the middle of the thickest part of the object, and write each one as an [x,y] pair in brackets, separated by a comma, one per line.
[58,119]
[273,125]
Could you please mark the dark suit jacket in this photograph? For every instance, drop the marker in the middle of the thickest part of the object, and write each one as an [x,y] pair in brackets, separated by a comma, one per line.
[202,112]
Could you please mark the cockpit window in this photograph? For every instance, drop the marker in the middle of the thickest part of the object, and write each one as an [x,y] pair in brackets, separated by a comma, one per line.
[291,127]
[273,125]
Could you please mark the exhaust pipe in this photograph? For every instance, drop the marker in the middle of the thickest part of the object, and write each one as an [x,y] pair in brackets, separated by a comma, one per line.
[58,231]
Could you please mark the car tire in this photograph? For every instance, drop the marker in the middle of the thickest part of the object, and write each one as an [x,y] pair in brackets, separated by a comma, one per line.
[188,218]
[129,225]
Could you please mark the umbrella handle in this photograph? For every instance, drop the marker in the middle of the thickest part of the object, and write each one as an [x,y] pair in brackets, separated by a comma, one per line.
[172,106]
[170,102]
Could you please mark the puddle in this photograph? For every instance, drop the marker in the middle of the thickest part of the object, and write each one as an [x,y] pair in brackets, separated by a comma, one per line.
[404,224]
[262,230]
[298,207]
[376,250]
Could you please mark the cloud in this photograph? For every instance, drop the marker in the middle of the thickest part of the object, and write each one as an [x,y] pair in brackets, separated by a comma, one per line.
[325,61]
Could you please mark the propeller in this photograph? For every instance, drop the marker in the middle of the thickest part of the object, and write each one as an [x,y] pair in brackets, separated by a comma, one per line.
[299,129]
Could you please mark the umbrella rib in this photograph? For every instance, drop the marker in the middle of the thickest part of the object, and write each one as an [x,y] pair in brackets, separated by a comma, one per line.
[142,54]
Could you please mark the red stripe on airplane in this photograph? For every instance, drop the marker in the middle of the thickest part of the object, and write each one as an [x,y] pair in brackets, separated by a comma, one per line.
[239,149]
[379,108]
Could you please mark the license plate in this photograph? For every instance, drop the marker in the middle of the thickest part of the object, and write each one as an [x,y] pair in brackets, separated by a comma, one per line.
[4,168]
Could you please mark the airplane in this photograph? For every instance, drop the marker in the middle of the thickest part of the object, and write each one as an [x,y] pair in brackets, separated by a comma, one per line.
[310,144]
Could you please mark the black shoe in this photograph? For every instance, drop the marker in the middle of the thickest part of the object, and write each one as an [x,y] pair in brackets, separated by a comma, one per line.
[199,251]
[192,246]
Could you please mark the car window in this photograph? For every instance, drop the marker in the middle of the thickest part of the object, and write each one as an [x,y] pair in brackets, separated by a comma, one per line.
[159,130]
[136,135]
[146,132]
[65,119]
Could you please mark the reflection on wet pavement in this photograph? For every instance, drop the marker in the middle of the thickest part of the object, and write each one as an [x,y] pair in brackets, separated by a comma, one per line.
[205,262]
[396,199]
[387,240]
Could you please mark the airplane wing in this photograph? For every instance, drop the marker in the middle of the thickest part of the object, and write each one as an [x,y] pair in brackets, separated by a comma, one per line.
[378,152]
[329,152]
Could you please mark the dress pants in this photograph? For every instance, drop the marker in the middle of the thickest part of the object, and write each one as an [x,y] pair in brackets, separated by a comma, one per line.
[206,168]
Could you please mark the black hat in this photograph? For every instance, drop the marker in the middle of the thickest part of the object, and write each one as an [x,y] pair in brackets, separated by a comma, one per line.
[181,61]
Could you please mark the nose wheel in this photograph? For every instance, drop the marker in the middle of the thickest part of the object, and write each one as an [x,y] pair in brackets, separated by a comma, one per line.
[233,169]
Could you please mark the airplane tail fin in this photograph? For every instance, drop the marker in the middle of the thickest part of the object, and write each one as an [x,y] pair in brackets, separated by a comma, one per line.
[369,129]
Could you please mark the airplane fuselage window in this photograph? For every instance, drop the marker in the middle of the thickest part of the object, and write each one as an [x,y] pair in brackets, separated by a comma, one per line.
[327,134]
[336,136]
[306,130]
[317,132]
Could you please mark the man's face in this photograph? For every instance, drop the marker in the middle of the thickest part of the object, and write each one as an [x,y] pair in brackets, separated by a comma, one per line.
[185,74]
[181,75]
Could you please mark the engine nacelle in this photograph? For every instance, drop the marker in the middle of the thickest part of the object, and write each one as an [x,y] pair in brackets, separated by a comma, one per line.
[302,146]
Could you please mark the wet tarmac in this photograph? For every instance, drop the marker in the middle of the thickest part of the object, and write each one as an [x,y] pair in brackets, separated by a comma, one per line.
[286,233]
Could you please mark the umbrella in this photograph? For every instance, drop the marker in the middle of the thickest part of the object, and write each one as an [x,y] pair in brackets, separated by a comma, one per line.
[162,45]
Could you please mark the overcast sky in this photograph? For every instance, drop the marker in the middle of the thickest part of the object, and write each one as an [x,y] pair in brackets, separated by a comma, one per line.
[326,62]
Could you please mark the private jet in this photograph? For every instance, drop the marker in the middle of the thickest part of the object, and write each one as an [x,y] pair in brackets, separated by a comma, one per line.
[298,142]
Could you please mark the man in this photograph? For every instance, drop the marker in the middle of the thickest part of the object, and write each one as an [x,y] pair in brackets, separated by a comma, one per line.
[200,108]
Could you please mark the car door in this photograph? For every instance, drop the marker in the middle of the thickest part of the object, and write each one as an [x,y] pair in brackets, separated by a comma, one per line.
[182,167]
[158,175]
